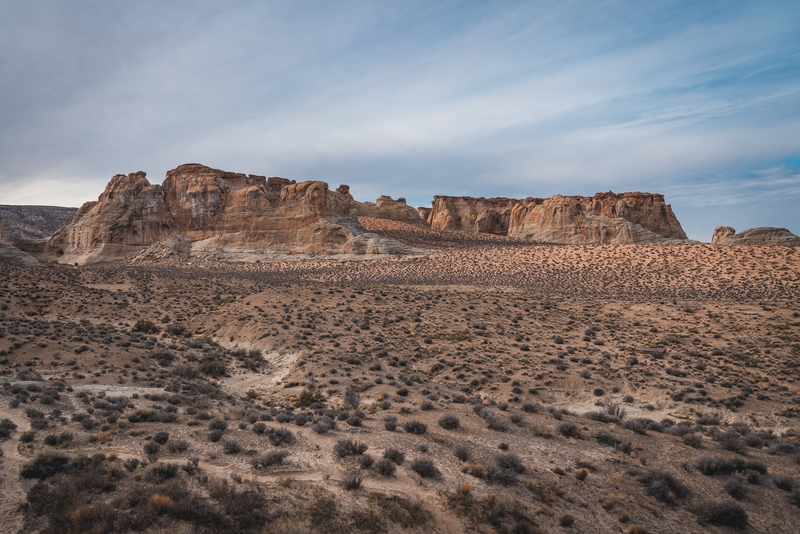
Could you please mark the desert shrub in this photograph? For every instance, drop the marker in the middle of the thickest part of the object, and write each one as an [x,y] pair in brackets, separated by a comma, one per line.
[510,461]
[348,447]
[415,427]
[151,447]
[259,428]
[784,482]
[131,464]
[218,424]
[694,440]
[215,435]
[231,446]
[449,422]
[268,459]
[324,425]
[461,452]
[568,429]
[517,418]
[566,520]
[309,396]
[424,467]
[709,419]
[145,326]
[426,406]
[719,465]
[638,425]
[366,461]
[385,467]
[351,481]
[352,399]
[279,436]
[161,437]
[180,445]
[730,441]
[354,421]
[394,455]
[531,407]
[735,488]
[29,436]
[160,472]
[664,487]
[45,465]
[390,423]
[497,424]
[723,514]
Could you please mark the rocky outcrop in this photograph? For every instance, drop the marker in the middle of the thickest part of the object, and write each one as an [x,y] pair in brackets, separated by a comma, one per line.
[388,208]
[36,222]
[725,235]
[216,211]
[467,214]
[424,213]
[626,218]
[9,253]
[722,234]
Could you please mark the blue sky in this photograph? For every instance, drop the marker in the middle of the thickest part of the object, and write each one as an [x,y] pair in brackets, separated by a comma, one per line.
[696,100]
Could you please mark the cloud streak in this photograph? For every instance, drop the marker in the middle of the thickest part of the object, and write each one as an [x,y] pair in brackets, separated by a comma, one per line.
[409,99]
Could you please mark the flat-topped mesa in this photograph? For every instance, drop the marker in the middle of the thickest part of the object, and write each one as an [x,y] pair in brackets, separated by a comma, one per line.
[625,218]
[766,236]
[215,210]
[468,214]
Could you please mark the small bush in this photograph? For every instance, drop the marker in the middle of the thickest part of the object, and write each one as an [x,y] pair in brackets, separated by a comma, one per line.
[394,456]
[786,483]
[385,467]
[693,440]
[510,461]
[424,467]
[268,459]
[351,481]
[568,429]
[45,465]
[415,427]
[664,487]
[724,514]
[348,447]
[178,446]
[566,520]
[151,447]
[449,422]
[461,452]
[390,423]
[231,446]
[279,436]
[735,488]
[366,461]
[161,437]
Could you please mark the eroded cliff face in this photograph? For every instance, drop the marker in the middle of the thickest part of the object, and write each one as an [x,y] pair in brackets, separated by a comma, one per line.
[215,210]
[467,214]
[767,236]
[9,253]
[626,218]
[722,234]
[394,210]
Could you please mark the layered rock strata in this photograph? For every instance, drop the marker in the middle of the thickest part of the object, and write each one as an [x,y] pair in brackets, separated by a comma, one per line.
[625,218]
[215,210]
[467,214]
[725,235]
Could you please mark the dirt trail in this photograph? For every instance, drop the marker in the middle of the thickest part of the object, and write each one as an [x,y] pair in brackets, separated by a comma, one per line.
[12,492]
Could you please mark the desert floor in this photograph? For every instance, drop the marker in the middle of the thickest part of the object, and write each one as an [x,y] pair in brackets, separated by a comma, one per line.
[490,385]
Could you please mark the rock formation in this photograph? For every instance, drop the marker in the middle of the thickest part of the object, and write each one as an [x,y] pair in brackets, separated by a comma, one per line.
[217,211]
[388,208]
[725,235]
[9,253]
[625,218]
[424,213]
[36,222]
[467,214]
[722,234]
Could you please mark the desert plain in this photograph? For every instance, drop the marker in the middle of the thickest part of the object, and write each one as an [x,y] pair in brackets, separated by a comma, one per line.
[490,384]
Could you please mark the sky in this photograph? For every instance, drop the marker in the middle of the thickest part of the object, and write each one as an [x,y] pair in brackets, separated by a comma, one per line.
[699,101]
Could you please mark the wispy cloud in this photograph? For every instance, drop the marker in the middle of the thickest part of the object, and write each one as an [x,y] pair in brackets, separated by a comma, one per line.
[409,99]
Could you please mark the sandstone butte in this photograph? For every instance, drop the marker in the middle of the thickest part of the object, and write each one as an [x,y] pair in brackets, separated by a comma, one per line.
[626,218]
[725,235]
[223,213]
